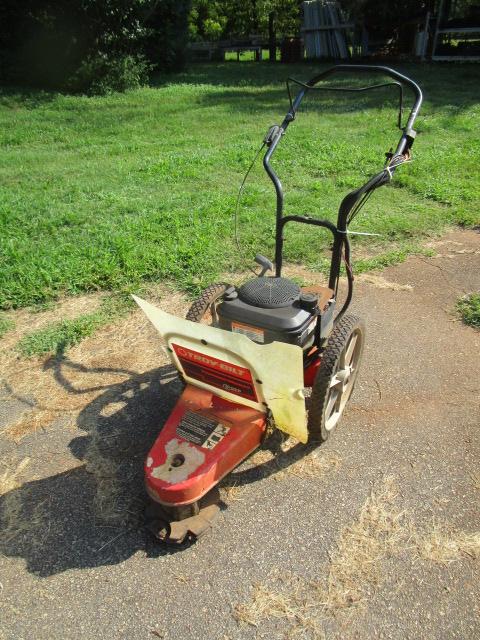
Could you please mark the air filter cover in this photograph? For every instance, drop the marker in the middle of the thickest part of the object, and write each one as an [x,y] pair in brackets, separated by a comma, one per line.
[269,292]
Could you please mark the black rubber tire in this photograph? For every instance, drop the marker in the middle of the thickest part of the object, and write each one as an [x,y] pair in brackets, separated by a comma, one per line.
[208,296]
[337,342]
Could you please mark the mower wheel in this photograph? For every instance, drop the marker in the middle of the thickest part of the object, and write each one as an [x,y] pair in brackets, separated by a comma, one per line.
[204,309]
[336,377]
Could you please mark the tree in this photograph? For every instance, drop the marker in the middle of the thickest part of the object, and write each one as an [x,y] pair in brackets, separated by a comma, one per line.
[90,45]
[239,18]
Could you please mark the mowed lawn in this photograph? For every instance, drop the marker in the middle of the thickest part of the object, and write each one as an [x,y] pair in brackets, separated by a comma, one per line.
[108,192]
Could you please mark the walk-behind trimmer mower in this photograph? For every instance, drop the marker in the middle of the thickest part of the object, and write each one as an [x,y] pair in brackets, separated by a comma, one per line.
[249,355]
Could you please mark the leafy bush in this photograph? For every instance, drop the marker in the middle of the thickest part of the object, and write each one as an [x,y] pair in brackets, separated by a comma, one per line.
[213,29]
[92,46]
[101,74]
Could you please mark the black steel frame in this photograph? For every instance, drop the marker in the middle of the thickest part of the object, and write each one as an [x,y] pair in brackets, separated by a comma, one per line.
[339,232]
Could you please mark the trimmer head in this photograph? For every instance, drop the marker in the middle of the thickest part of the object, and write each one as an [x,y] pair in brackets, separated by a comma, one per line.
[182,525]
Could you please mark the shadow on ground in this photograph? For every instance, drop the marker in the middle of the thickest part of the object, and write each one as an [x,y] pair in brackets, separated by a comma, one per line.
[69,520]
[448,85]
[92,515]
[451,85]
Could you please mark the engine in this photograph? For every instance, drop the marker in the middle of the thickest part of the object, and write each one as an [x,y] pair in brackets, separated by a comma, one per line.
[268,309]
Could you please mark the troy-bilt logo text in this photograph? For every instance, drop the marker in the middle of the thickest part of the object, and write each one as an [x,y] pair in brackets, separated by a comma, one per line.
[216,372]
[214,363]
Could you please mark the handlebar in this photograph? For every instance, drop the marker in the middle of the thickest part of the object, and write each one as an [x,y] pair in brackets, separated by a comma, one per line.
[406,140]
[346,68]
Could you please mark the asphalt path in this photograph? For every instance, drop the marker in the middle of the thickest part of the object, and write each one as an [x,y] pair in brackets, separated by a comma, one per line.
[414,416]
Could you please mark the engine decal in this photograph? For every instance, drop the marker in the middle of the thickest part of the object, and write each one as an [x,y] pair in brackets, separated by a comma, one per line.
[255,334]
[216,373]
[201,430]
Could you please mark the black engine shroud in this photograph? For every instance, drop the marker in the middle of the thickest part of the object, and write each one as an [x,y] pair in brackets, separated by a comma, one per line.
[269,309]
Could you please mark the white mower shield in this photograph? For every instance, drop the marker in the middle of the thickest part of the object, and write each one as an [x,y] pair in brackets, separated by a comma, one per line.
[276,369]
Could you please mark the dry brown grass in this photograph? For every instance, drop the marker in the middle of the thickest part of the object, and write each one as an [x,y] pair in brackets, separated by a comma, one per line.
[314,465]
[107,502]
[113,354]
[444,545]
[262,456]
[291,605]
[476,480]
[10,478]
[382,283]
[354,572]
[283,455]
[30,422]
[231,493]
[15,524]
[289,460]
[63,388]
[307,277]
[355,567]
[293,459]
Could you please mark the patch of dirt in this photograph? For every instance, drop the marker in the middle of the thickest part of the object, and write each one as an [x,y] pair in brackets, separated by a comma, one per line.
[451,248]
[307,277]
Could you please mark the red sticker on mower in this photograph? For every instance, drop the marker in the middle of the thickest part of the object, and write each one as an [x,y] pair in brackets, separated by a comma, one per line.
[216,373]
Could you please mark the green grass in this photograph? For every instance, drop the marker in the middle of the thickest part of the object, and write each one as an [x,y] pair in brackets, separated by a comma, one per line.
[469,309]
[6,324]
[57,337]
[108,192]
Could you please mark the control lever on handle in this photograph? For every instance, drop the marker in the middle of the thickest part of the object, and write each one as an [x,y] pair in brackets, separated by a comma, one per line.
[264,263]
[271,134]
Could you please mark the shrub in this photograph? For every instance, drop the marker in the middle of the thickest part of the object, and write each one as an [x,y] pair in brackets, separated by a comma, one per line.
[93,46]
[101,74]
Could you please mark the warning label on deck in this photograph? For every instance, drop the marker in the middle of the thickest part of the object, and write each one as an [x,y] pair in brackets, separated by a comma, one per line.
[201,430]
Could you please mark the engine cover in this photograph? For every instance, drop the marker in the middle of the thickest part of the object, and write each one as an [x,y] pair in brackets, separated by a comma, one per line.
[268,309]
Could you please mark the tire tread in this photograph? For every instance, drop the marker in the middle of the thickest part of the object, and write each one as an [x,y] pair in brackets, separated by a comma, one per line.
[201,304]
[335,346]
